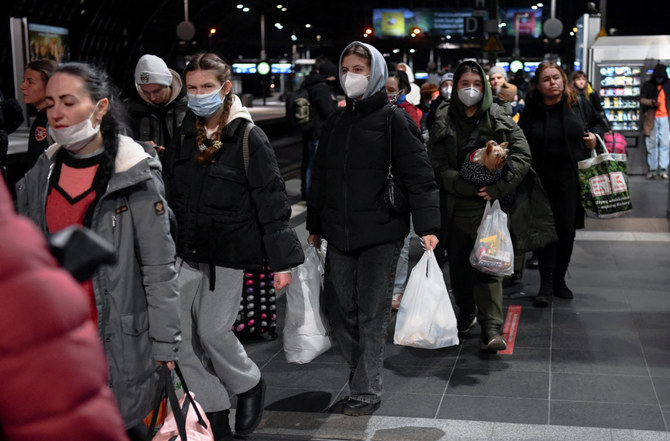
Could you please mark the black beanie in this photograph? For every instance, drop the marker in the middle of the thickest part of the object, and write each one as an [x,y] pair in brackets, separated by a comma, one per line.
[328,69]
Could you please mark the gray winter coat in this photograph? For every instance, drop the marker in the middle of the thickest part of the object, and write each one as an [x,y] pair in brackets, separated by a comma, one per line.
[137,297]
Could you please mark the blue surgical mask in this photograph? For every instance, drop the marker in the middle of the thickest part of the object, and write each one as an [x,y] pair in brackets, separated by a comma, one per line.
[206,104]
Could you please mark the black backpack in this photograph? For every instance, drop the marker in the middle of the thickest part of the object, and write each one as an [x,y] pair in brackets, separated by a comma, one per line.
[298,110]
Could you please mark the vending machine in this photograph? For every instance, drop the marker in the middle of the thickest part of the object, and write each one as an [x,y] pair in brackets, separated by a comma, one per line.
[619,65]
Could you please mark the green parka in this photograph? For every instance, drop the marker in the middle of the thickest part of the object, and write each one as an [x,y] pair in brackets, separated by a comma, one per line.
[529,210]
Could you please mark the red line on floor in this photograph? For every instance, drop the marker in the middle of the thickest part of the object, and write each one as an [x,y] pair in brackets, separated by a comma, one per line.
[510,327]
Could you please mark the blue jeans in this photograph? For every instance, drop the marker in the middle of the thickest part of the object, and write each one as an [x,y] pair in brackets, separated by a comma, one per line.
[358,286]
[309,147]
[402,269]
[658,145]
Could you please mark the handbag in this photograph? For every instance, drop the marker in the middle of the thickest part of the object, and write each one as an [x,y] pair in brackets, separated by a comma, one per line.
[394,199]
[493,252]
[426,317]
[186,420]
[306,331]
[603,182]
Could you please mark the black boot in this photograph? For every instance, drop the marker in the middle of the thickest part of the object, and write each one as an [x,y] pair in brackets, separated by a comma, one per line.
[546,292]
[492,341]
[220,427]
[560,288]
[249,409]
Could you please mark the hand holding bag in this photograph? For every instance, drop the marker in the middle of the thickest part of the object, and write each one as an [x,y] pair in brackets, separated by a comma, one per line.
[493,252]
[187,419]
[425,317]
[306,331]
[603,181]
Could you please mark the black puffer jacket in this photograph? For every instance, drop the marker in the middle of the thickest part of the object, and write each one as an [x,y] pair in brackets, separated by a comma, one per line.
[350,169]
[321,101]
[226,216]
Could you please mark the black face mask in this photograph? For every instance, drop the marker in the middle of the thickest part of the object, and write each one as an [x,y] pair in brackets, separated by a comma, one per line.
[659,80]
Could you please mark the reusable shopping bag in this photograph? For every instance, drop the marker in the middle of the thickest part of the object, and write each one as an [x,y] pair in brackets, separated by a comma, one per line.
[187,419]
[425,317]
[493,252]
[603,181]
[306,331]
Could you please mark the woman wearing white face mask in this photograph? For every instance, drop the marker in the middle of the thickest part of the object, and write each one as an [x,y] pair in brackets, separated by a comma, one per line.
[346,207]
[462,126]
[95,177]
[231,215]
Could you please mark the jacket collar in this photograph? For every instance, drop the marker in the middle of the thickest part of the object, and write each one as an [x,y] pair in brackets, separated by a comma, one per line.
[133,163]
[368,105]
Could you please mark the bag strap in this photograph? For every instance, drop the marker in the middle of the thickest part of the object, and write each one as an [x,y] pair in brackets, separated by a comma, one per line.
[389,130]
[245,146]
[166,388]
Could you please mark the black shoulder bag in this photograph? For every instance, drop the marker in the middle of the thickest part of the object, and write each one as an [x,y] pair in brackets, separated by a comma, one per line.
[395,199]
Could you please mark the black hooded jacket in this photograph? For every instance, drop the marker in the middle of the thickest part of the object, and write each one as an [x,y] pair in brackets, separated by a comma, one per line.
[321,100]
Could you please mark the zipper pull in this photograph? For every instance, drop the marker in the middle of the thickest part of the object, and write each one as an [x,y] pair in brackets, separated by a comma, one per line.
[114,221]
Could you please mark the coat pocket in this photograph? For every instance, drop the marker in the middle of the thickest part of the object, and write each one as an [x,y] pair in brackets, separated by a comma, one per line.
[138,361]
[224,189]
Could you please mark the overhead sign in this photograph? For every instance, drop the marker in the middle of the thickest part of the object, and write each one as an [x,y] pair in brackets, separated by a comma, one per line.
[553,28]
[473,26]
[263,68]
[493,44]
[480,8]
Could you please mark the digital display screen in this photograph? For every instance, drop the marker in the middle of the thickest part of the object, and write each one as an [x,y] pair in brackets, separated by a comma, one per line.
[420,75]
[281,68]
[51,42]
[244,68]
[529,22]
[399,22]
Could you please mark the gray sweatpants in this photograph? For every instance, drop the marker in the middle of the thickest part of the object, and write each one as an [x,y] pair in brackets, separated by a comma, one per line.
[212,359]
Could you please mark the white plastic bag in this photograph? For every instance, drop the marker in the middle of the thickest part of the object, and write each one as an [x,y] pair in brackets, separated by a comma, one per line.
[306,332]
[493,252]
[426,318]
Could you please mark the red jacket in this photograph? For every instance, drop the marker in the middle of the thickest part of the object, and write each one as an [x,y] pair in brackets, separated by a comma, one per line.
[413,111]
[52,365]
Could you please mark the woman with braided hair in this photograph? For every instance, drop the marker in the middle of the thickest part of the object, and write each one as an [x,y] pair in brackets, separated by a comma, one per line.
[232,211]
[96,177]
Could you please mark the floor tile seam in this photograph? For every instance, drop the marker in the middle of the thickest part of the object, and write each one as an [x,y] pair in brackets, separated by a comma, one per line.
[526,371]
[378,422]
[599,374]
[311,363]
[623,403]
[269,360]
[551,343]
[653,386]
[504,397]
[446,386]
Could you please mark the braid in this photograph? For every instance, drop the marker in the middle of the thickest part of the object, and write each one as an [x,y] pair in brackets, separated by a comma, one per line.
[206,157]
[110,141]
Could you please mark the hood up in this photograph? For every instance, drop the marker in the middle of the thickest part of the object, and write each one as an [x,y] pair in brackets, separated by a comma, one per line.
[378,69]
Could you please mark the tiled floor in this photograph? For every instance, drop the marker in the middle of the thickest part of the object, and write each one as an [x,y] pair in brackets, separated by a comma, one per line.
[596,367]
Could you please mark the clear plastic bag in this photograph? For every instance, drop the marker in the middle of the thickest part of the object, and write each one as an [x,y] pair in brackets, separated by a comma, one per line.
[426,318]
[493,252]
[306,332]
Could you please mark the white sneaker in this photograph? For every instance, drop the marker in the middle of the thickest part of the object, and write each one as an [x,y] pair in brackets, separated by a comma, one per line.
[651,175]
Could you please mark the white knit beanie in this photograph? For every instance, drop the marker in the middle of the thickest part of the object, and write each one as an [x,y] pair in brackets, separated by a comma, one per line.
[498,70]
[152,70]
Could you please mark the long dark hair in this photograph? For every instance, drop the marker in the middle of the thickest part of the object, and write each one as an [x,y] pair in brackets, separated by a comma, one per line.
[98,85]
[211,62]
